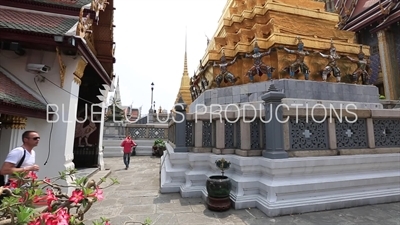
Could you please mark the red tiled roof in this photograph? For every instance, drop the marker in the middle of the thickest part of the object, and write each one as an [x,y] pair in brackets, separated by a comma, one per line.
[35,22]
[363,5]
[365,12]
[13,94]
[71,3]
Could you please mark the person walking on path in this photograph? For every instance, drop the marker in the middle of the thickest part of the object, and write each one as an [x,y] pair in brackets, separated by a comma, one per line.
[127,145]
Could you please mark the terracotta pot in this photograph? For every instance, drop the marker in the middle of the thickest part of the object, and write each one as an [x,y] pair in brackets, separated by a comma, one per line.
[218,186]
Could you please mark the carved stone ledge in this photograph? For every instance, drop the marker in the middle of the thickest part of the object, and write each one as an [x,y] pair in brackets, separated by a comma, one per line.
[368,151]
[201,150]
[223,151]
[312,153]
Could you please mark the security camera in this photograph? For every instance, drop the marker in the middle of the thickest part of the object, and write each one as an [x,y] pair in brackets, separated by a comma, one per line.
[40,68]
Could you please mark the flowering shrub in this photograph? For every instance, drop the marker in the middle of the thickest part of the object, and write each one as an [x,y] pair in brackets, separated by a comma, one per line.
[22,198]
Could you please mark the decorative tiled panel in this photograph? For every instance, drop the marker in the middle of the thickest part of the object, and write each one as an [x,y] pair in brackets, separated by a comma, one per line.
[387,132]
[255,134]
[137,132]
[351,135]
[308,135]
[238,135]
[375,67]
[207,134]
[263,137]
[171,133]
[229,134]
[189,133]
[155,133]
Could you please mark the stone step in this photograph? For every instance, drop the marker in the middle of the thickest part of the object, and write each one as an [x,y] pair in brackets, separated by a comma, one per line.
[117,151]
[118,142]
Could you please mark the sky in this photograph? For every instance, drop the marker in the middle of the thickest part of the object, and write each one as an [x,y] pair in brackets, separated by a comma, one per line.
[150,46]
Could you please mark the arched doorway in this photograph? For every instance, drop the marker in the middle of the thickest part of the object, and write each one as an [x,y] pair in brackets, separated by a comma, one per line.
[87,130]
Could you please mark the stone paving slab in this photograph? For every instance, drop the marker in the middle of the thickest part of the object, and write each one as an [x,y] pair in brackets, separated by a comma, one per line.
[137,197]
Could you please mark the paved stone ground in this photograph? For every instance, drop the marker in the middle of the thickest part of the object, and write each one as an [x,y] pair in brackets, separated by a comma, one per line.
[137,197]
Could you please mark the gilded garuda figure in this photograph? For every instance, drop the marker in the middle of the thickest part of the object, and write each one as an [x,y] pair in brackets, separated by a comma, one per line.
[298,65]
[362,69]
[332,66]
[224,74]
[259,68]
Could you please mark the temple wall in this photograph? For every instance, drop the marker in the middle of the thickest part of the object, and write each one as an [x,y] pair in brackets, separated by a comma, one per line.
[54,153]
[371,39]
[288,160]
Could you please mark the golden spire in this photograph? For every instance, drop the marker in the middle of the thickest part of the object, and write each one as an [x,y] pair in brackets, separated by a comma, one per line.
[185,67]
[184,89]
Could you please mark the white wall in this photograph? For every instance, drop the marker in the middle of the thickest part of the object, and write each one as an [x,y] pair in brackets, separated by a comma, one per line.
[62,135]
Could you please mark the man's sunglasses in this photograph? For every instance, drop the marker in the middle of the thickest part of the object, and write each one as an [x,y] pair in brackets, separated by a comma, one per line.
[36,138]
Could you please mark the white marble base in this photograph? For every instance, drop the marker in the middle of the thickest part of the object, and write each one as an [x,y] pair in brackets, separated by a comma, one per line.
[287,186]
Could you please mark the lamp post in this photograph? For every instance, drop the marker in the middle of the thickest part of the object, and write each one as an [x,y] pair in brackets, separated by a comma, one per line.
[151,103]
[154,107]
[151,111]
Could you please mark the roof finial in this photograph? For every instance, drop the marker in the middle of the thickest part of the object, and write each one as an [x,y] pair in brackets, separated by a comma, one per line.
[185,39]
[185,67]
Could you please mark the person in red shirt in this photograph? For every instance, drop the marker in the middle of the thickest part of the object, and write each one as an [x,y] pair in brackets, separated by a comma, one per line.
[127,145]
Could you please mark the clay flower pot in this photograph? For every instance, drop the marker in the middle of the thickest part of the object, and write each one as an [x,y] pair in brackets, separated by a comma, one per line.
[218,186]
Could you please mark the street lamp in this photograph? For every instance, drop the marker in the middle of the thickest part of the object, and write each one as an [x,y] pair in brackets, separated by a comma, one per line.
[152,88]
[154,106]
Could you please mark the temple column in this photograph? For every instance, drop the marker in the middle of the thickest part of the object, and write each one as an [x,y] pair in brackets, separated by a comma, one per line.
[101,133]
[388,68]
[180,127]
[274,146]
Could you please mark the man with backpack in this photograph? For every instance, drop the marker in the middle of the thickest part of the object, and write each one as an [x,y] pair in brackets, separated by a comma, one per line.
[22,158]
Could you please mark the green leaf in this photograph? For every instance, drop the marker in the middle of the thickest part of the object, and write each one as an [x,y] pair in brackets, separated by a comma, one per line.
[24,214]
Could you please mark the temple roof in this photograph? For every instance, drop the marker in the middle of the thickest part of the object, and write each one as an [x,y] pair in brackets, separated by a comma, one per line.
[362,13]
[70,3]
[34,21]
[12,94]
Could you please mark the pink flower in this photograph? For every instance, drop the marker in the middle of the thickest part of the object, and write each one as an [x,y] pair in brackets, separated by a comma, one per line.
[99,194]
[76,196]
[50,197]
[62,217]
[31,175]
[49,218]
[13,184]
[35,222]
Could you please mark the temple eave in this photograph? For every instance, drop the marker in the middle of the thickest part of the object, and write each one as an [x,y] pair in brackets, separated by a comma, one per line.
[287,40]
[282,8]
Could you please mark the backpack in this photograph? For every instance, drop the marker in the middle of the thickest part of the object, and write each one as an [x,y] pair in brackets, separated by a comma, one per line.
[18,166]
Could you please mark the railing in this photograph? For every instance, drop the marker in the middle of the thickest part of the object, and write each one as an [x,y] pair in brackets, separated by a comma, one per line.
[137,131]
[302,132]
[147,131]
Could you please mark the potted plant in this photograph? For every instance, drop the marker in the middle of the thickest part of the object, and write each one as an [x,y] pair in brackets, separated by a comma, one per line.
[159,147]
[219,188]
